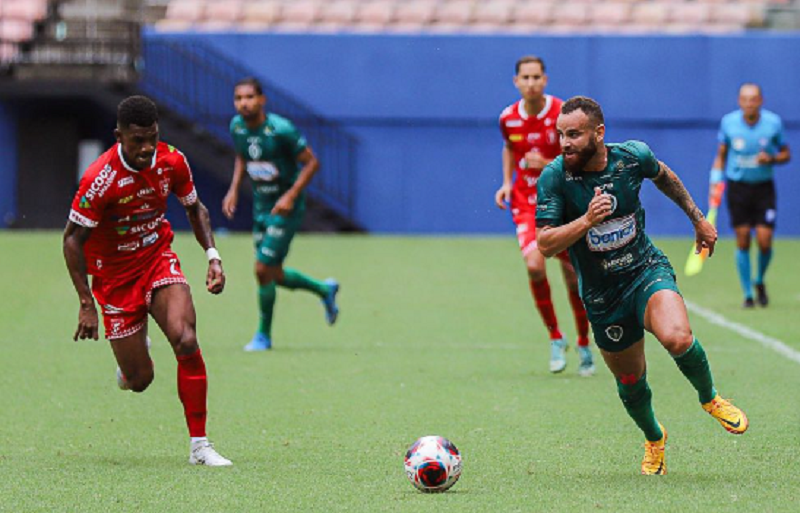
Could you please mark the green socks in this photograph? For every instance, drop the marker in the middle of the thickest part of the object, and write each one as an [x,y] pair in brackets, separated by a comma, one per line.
[266,304]
[694,365]
[293,279]
[637,399]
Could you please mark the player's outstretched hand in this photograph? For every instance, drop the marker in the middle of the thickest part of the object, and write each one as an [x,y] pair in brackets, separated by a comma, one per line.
[600,207]
[705,237]
[503,196]
[229,203]
[87,323]
[215,279]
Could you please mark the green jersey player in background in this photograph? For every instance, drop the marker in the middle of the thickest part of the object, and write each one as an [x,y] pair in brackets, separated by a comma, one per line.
[589,204]
[280,164]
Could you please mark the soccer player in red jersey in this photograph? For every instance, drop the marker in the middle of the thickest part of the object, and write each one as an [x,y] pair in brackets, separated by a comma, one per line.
[117,232]
[531,142]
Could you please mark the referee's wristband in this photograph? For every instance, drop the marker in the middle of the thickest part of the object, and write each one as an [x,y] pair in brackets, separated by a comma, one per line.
[715,176]
[213,254]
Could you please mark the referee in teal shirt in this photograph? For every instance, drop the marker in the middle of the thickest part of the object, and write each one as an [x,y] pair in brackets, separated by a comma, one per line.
[751,143]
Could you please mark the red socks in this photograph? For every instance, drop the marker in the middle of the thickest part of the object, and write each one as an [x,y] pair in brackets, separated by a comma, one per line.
[541,295]
[192,390]
[581,322]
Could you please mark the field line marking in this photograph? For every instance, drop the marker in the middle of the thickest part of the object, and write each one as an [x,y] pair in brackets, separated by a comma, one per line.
[765,340]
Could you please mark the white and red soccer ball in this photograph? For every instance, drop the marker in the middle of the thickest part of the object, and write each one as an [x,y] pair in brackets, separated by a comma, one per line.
[433,464]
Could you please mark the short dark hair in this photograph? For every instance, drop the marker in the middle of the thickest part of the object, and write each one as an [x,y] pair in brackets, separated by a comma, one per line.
[585,104]
[526,59]
[752,84]
[251,81]
[137,110]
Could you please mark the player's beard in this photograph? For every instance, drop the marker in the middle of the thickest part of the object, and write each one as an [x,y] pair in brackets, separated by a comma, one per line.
[581,158]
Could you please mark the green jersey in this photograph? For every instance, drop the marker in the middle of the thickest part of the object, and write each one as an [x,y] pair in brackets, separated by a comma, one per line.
[614,256]
[270,154]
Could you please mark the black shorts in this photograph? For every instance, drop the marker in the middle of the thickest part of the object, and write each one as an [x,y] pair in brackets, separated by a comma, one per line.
[752,204]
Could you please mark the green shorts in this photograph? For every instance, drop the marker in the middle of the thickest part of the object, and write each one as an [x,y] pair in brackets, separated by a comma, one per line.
[627,326]
[272,235]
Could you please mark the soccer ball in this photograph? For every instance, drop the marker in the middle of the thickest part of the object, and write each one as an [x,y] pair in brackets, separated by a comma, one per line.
[433,464]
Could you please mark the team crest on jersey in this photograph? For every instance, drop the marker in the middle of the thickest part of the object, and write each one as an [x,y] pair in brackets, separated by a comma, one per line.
[254,148]
[552,136]
[614,203]
[164,184]
[615,332]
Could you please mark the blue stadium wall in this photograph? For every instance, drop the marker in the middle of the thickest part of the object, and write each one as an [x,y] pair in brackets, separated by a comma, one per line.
[8,164]
[425,108]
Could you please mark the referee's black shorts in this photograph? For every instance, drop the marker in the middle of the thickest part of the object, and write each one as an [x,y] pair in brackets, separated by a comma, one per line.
[752,204]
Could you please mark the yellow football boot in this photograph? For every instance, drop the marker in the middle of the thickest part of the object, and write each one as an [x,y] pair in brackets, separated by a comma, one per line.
[653,463]
[732,418]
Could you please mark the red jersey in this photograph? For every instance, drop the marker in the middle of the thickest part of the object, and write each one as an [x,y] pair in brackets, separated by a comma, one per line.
[126,208]
[523,133]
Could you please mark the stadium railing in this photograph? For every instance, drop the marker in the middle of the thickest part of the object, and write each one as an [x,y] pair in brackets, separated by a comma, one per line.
[197,82]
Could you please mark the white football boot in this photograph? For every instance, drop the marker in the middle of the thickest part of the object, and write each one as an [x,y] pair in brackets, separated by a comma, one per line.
[203,453]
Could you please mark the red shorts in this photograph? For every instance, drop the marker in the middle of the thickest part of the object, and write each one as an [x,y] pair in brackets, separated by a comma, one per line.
[526,232]
[125,302]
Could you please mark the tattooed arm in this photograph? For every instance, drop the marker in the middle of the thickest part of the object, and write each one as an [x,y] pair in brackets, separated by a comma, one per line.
[668,182]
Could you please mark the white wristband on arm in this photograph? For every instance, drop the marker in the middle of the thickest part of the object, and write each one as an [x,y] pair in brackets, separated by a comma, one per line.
[213,254]
[715,176]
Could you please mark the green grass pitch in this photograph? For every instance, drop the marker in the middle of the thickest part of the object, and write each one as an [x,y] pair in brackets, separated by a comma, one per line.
[436,336]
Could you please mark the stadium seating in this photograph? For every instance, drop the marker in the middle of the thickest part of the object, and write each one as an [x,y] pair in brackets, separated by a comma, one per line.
[466,16]
[453,15]
[337,15]
[17,25]
[374,15]
[221,15]
[413,15]
[25,10]
[261,15]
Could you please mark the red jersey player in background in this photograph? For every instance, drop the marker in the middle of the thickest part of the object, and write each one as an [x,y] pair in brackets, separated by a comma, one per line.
[117,232]
[531,142]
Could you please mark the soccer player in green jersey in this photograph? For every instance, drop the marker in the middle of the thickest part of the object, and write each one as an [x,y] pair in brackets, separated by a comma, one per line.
[589,204]
[280,164]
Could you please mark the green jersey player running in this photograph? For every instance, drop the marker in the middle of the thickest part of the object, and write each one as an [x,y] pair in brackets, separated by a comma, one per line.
[589,204]
[280,164]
